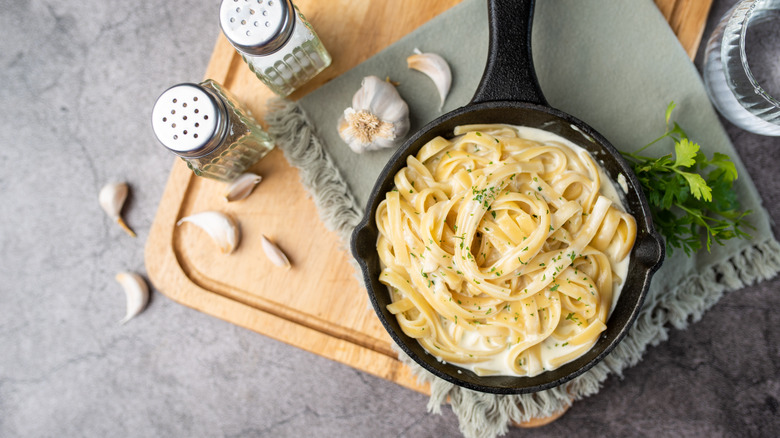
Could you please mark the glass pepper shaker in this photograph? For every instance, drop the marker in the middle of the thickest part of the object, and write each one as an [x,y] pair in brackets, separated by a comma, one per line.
[205,126]
[275,41]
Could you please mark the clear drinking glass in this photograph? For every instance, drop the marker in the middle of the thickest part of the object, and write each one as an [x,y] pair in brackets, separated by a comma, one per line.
[742,66]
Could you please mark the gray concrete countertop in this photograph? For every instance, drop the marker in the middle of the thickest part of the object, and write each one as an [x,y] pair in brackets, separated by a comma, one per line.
[78,81]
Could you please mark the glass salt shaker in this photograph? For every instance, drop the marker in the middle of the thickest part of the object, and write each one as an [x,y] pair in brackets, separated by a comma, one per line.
[275,41]
[207,127]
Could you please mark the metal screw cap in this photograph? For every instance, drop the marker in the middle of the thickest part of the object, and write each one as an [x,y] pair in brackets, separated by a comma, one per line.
[189,120]
[257,27]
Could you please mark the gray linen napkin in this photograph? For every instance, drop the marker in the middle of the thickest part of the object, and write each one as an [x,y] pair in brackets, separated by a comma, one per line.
[616,66]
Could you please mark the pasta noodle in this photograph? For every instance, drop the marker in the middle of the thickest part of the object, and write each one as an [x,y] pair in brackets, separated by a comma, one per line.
[502,250]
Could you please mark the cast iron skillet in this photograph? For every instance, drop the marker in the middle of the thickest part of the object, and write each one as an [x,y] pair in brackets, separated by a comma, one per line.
[509,93]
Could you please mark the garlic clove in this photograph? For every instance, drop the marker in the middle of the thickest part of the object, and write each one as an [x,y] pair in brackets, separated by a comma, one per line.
[242,187]
[112,197]
[378,118]
[136,292]
[274,254]
[436,68]
[222,229]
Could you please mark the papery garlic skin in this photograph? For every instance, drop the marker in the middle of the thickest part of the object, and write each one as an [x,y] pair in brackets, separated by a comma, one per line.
[436,68]
[111,198]
[378,118]
[136,293]
[242,187]
[222,229]
[274,254]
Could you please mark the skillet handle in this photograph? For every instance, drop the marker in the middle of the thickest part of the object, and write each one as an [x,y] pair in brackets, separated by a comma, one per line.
[509,74]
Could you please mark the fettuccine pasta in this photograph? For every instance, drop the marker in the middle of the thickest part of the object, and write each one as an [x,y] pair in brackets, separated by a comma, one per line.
[503,251]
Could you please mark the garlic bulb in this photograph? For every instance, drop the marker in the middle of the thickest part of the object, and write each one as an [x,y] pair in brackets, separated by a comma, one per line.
[274,254]
[378,118]
[242,187]
[222,229]
[136,293]
[112,197]
[436,68]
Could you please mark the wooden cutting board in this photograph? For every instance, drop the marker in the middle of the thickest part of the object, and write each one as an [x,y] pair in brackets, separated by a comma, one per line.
[318,305]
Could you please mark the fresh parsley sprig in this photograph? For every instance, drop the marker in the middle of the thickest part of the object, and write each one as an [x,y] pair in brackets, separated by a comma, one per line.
[689,194]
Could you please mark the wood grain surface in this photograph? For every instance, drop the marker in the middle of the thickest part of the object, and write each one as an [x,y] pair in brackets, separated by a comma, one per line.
[687,19]
[318,305]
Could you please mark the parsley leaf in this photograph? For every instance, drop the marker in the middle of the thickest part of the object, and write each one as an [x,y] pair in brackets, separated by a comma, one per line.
[724,163]
[669,110]
[699,187]
[691,197]
[685,152]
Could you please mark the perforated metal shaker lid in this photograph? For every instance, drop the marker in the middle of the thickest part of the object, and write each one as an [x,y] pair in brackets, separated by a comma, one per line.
[189,120]
[257,27]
